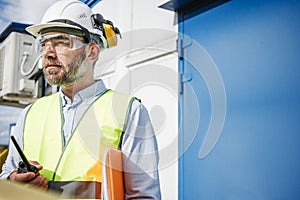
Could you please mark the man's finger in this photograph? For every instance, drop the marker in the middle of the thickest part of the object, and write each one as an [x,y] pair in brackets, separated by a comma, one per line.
[36,164]
[39,181]
[14,176]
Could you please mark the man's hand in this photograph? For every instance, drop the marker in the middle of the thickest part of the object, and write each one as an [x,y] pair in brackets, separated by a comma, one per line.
[30,178]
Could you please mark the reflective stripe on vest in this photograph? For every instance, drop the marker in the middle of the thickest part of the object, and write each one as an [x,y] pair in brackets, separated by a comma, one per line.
[80,159]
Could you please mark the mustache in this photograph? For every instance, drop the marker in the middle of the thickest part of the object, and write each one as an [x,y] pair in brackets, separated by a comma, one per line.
[48,62]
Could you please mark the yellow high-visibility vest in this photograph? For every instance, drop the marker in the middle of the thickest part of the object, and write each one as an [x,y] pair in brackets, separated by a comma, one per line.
[74,168]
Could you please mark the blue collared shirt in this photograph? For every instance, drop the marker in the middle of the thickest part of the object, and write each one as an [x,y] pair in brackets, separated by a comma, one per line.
[138,144]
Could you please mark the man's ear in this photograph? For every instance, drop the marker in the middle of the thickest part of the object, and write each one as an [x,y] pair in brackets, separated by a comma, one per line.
[93,53]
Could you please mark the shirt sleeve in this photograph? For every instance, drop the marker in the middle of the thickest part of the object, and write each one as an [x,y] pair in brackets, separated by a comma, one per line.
[13,158]
[140,156]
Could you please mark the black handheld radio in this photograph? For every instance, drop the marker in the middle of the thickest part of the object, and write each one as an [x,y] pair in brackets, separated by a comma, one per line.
[24,165]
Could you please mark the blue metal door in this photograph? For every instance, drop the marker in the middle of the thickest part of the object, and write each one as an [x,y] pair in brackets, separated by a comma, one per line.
[240,101]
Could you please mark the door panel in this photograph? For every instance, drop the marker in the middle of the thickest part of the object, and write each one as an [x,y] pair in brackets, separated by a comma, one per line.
[255,47]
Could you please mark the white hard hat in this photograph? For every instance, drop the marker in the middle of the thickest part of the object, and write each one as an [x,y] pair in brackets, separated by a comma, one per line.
[71,15]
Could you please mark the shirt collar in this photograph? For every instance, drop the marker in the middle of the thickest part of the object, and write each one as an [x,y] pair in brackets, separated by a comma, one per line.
[94,90]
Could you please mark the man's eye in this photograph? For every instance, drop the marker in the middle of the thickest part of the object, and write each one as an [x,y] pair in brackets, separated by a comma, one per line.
[42,44]
[65,43]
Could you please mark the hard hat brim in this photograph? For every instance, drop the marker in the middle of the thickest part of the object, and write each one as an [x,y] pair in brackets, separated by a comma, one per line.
[36,29]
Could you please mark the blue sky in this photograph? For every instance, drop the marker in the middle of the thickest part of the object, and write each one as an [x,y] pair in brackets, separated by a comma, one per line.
[21,11]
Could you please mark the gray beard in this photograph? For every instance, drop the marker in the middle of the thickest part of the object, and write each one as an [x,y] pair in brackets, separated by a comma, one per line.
[71,72]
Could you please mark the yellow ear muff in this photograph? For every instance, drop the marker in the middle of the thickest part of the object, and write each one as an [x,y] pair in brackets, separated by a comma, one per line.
[110,35]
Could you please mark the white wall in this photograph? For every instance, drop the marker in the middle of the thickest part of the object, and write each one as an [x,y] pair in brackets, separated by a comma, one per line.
[145,65]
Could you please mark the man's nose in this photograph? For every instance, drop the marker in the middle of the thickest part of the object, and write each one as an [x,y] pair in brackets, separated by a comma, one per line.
[49,50]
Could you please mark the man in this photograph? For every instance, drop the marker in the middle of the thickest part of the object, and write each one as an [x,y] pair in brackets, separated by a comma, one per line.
[64,134]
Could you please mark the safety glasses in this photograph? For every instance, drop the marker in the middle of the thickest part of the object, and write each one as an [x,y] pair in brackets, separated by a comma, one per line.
[59,43]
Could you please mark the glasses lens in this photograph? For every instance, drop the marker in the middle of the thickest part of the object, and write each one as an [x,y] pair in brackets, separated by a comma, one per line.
[59,43]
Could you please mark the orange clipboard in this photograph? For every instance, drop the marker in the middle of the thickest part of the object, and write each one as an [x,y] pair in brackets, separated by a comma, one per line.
[114,174]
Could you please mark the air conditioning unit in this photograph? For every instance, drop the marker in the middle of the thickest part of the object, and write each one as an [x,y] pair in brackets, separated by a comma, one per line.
[18,63]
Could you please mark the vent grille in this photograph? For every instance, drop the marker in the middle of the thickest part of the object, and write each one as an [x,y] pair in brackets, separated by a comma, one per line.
[2,57]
